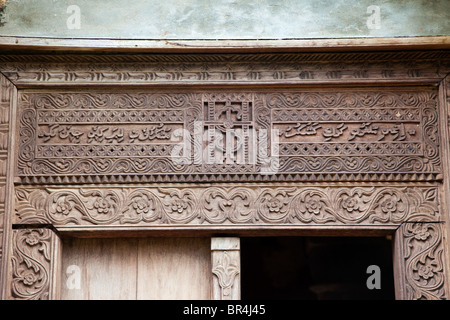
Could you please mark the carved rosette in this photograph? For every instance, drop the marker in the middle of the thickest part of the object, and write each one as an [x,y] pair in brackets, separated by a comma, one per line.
[32,263]
[227,205]
[424,262]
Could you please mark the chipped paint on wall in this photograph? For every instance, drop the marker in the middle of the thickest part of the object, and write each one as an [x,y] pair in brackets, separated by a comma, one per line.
[225,19]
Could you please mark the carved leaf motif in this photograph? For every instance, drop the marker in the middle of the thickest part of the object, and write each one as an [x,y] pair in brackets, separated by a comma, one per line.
[220,205]
[65,207]
[228,205]
[30,206]
[423,256]
[30,264]
[431,195]
[226,272]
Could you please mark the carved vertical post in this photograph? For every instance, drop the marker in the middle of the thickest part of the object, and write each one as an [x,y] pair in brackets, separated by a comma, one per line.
[226,268]
[7,99]
[445,124]
[420,266]
[35,265]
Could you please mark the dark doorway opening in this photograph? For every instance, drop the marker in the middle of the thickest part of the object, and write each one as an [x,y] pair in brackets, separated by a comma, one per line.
[316,268]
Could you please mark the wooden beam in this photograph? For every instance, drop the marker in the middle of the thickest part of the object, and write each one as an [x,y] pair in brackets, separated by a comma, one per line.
[244,46]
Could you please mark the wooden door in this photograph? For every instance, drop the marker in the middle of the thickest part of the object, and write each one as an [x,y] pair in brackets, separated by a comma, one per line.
[136,268]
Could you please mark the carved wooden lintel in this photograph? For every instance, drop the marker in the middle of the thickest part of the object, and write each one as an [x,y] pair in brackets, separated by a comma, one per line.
[226,268]
[35,260]
[228,205]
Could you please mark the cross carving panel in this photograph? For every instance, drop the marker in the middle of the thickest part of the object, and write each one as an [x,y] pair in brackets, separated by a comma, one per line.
[303,135]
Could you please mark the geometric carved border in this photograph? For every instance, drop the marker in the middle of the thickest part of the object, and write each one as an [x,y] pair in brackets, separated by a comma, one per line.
[184,69]
[421,261]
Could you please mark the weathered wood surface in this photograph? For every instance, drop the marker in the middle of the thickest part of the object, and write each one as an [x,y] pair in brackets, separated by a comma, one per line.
[139,268]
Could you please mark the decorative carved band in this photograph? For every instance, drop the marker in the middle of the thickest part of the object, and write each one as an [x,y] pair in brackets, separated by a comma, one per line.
[34,256]
[227,205]
[237,136]
[423,261]
[426,56]
[223,68]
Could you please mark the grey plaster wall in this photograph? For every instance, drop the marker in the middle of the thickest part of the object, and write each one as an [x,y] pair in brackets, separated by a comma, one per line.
[224,19]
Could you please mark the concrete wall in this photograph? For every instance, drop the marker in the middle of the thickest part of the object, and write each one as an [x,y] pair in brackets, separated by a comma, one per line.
[224,19]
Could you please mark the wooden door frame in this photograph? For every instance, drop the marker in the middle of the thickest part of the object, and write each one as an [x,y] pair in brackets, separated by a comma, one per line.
[412,243]
[32,247]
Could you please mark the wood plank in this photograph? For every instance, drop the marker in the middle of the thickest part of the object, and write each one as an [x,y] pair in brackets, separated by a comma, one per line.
[107,268]
[188,46]
[174,268]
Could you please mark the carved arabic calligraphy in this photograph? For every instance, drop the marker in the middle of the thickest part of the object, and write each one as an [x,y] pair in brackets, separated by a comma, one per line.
[154,132]
[395,132]
[63,132]
[119,134]
[302,129]
[365,128]
[99,134]
[334,132]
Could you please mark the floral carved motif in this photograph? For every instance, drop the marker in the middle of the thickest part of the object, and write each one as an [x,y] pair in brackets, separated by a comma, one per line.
[225,205]
[423,254]
[32,257]
[226,269]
